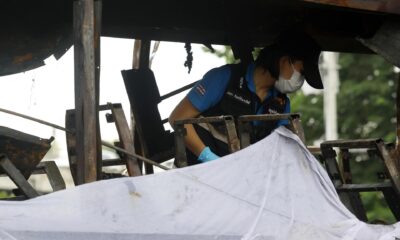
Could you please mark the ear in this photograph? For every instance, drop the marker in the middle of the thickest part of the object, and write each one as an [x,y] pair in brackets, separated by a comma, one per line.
[283,62]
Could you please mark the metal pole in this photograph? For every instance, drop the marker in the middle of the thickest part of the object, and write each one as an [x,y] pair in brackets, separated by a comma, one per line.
[135,155]
[331,83]
[34,119]
[73,132]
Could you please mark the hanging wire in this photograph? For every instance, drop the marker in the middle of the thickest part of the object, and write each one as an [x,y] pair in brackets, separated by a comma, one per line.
[189,58]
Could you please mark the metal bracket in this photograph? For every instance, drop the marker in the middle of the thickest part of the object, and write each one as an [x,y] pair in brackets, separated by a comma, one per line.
[348,192]
[180,133]
[244,125]
[53,174]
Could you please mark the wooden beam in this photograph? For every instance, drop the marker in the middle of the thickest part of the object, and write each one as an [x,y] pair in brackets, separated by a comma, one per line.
[144,62]
[398,116]
[98,5]
[85,91]
[144,58]
[126,140]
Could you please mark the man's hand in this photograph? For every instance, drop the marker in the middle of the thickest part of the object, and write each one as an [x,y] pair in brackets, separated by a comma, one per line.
[207,155]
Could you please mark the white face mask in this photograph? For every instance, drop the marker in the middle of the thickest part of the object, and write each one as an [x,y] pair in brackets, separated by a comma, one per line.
[290,85]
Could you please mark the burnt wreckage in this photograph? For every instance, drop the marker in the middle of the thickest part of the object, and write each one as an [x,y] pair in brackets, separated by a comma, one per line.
[35,30]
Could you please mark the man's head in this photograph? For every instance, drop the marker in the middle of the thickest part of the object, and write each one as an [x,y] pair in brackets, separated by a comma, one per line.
[292,57]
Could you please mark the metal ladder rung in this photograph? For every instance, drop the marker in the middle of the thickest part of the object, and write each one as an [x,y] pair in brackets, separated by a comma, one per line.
[369,187]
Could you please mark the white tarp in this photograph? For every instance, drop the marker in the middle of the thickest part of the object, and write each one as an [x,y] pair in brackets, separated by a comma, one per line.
[274,189]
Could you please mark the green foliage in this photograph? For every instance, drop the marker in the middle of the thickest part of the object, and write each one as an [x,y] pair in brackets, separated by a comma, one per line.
[367,109]
[310,107]
[4,194]
[364,170]
[366,100]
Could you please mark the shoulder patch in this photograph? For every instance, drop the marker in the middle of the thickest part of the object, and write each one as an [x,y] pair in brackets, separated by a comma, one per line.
[200,89]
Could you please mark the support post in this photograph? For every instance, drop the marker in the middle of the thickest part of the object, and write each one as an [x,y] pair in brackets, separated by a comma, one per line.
[125,139]
[396,152]
[398,116]
[86,91]
[144,58]
[98,7]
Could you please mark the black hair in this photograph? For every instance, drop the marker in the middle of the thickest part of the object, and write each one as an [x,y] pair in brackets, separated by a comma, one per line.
[269,57]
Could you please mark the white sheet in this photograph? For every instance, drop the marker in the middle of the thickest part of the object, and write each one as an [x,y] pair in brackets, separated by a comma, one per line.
[272,190]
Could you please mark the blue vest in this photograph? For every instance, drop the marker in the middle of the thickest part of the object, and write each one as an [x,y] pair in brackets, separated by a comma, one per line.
[238,100]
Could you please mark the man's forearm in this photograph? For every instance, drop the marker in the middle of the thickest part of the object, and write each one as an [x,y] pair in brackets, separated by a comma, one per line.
[185,110]
[193,141]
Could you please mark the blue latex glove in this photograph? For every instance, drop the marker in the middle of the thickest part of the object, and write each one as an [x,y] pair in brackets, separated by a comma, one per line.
[207,155]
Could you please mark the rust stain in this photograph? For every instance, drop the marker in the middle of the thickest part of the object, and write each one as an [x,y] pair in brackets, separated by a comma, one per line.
[135,194]
[24,156]
[23,58]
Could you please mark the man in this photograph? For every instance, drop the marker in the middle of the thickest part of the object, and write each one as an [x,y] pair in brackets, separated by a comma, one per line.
[258,88]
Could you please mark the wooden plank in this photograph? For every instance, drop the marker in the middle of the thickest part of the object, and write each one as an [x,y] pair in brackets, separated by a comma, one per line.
[86,115]
[126,140]
[56,181]
[391,167]
[71,144]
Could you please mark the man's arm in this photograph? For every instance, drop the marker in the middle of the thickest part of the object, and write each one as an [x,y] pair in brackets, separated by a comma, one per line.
[184,110]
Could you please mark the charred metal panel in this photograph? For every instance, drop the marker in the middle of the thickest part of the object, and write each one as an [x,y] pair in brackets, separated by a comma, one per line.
[386,42]
[33,30]
[25,151]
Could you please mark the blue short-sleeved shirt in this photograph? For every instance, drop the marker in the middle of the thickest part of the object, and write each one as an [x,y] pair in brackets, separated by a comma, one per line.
[209,91]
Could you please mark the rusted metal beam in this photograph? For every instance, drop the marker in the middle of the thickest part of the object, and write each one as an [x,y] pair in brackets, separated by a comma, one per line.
[180,133]
[368,187]
[351,144]
[200,120]
[244,125]
[85,91]
[386,6]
